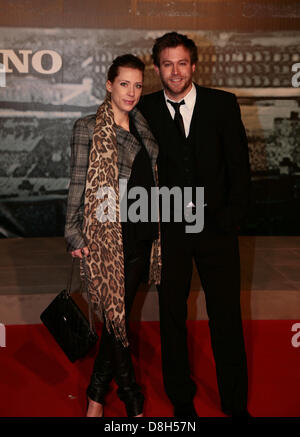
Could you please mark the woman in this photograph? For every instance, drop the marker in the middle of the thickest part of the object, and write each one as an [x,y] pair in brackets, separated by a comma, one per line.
[114,144]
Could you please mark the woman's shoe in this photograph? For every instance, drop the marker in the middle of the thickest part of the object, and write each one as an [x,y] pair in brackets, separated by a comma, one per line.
[94,409]
[134,404]
[133,400]
[129,391]
[98,387]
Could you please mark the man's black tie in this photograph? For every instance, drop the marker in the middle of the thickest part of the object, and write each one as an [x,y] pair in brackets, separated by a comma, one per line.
[178,117]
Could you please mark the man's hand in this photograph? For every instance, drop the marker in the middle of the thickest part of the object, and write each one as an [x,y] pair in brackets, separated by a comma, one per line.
[79,253]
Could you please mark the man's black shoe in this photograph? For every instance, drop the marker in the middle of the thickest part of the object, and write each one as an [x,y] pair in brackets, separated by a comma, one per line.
[242,413]
[185,410]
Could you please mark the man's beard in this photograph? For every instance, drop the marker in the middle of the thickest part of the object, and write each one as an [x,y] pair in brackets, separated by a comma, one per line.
[170,91]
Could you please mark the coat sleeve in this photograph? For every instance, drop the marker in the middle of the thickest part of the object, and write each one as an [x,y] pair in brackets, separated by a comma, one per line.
[75,204]
[238,168]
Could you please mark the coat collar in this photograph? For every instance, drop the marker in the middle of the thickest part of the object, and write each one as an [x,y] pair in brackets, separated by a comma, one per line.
[165,120]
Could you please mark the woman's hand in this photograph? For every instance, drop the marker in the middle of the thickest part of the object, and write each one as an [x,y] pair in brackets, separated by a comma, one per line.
[79,253]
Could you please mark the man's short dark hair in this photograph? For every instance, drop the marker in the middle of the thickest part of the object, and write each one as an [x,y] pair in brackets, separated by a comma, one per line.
[127,60]
[174,39]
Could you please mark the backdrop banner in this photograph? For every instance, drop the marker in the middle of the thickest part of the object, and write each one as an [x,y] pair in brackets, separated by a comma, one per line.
[49,77]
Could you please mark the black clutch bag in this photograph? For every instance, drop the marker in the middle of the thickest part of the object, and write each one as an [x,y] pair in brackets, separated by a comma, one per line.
[68,325]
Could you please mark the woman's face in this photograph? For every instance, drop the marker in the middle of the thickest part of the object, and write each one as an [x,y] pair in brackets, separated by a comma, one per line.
[126,89]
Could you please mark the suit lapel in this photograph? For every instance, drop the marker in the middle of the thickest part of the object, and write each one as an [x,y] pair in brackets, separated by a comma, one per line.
[199,114]
[200,130]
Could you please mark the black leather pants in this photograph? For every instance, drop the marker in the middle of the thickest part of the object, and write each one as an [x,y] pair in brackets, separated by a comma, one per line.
[113,359]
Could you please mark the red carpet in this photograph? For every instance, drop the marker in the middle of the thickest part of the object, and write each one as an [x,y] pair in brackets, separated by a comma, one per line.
[37,380]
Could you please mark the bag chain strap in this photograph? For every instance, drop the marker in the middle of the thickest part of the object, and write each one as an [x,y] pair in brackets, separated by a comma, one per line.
[68,291]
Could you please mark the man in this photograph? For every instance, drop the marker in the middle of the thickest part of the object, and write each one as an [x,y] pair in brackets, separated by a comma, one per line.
[202,143]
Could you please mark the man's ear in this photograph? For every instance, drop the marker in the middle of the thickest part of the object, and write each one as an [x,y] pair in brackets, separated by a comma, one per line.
[156,68]
[108,86]
[193,67]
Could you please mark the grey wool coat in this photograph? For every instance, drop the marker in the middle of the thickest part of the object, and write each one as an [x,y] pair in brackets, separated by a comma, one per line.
[81,141]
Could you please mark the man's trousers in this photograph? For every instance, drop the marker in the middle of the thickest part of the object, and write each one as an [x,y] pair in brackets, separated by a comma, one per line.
[216,256]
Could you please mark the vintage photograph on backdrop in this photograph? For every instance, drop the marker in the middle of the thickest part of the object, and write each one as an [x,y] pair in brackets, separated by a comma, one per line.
[47,90]
[117,318]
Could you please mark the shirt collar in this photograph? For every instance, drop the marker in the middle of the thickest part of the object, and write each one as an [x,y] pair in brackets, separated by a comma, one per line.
[189,99]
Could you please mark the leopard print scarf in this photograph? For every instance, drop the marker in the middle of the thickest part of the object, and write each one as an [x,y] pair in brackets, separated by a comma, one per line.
[105,263]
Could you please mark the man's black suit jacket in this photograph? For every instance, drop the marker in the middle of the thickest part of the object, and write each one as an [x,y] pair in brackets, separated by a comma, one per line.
[220,152]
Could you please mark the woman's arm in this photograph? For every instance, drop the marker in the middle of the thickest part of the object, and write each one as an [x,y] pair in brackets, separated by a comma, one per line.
[80,143]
